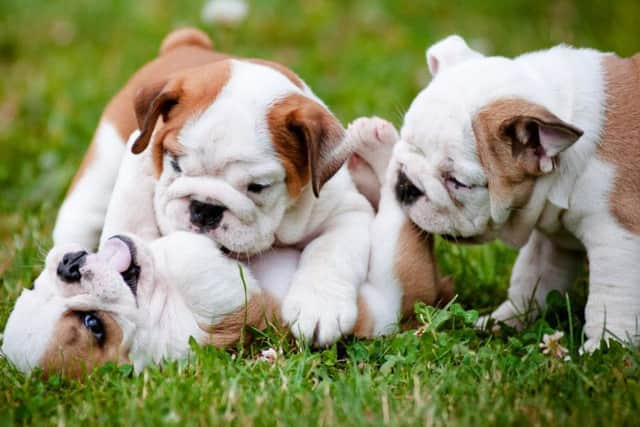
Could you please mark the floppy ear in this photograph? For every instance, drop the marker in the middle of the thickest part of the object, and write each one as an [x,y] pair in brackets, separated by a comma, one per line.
[151,102]
[449,52]
[537,138]
[321,133]
[309,141]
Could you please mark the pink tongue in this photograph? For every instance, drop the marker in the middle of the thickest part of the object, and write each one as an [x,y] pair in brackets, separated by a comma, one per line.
[116,254]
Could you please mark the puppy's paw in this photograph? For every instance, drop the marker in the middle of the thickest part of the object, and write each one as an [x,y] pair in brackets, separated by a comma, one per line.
[373,139]
[506,313]
[316,319]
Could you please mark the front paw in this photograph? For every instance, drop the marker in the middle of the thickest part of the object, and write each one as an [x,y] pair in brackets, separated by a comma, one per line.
[373,139]
[506,313]
[317,319]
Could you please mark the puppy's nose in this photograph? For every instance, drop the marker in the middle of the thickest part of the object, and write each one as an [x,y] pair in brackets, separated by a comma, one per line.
[69,267]
[406,192]
[206,215]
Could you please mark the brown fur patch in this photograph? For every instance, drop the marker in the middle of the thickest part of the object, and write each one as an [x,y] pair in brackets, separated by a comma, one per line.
[509,179]
[73,350]
[185,37]
[293,77]
[260,310]
[415,267]
[364,321]
[620,144]
[185,94]
[306,138]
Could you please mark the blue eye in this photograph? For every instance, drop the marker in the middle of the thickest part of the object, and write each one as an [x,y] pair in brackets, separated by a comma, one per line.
[256,188]
[94,324]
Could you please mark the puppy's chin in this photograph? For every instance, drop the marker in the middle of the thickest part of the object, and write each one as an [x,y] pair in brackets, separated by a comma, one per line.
[453,224]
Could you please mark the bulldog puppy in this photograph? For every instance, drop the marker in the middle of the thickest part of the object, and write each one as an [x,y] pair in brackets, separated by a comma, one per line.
[403,269]
[138,303]
[539,151]
[241,149]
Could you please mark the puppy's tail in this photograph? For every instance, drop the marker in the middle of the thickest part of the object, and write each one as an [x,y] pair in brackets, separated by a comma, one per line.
[187,36]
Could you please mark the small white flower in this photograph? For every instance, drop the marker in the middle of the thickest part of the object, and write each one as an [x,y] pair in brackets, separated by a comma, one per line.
[225,11]
[269,355]
[551,345]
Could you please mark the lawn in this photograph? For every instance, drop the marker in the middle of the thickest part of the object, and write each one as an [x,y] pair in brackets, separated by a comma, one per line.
[61,61]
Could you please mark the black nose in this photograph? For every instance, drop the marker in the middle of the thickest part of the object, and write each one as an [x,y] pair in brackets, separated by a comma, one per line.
[406,192]
[69,267]
[205,215]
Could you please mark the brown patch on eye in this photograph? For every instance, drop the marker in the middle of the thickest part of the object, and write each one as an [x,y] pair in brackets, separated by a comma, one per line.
[260,310]
[415,267]
[120,113]
[293,77]
[73,351]
[620,143]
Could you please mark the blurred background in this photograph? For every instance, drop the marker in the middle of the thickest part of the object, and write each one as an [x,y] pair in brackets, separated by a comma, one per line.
[61,61]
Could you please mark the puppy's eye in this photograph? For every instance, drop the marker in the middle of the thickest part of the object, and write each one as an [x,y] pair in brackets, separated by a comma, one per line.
[94,325]
[175,165]
[256,188]
[451,180]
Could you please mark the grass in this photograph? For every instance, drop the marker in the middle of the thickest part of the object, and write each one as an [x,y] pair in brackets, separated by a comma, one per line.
[61,61]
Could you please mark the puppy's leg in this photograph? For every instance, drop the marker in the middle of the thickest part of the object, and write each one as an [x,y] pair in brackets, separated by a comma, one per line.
[81,215]
[402,270]
[131,209]
[541,267]
[613,305]
[374,139]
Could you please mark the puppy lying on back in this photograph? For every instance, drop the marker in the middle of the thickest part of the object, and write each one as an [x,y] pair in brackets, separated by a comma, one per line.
[241,150]
[540,151]
[403,269]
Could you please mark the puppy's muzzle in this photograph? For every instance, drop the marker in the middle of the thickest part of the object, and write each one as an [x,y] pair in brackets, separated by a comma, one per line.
[69,268]
[406,192]
[206,216]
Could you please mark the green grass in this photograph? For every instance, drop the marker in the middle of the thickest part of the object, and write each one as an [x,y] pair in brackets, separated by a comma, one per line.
[61,61]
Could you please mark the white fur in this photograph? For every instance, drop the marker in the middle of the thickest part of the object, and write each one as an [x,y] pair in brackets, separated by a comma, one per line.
[568,203]
[81,216]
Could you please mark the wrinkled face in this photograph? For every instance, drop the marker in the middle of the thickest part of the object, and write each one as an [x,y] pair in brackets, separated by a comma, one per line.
[473,145]
[235,143]
[82,311]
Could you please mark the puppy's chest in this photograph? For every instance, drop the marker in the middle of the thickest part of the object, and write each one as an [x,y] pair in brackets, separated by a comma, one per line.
[557,227]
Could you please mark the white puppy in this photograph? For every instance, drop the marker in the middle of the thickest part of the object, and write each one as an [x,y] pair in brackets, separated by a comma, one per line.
[540,151]
[139,303]
[241,149]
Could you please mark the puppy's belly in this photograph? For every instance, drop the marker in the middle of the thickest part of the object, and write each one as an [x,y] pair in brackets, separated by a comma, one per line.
[274,270]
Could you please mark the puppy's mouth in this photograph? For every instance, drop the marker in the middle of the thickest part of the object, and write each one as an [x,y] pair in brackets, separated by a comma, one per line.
[236,256]
[128,265]
[473,240]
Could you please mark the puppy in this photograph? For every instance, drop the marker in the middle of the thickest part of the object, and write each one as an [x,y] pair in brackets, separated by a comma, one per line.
[126,303]
[539,151]
[403,269]
[241,149]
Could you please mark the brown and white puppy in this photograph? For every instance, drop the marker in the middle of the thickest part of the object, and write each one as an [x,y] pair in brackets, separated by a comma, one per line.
[140,303]
[540,151]
[241,149]
[403,269]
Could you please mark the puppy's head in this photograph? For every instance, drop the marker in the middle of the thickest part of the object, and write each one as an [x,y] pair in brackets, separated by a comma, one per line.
[83,309]
[235,143]
[475,142]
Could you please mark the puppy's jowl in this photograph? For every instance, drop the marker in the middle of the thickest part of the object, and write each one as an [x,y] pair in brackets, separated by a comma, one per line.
[540,151]
[244,153]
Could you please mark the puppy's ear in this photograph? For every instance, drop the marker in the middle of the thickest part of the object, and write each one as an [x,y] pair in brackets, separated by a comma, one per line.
[309,140]
[537,138]
[449,52]
[151,102]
